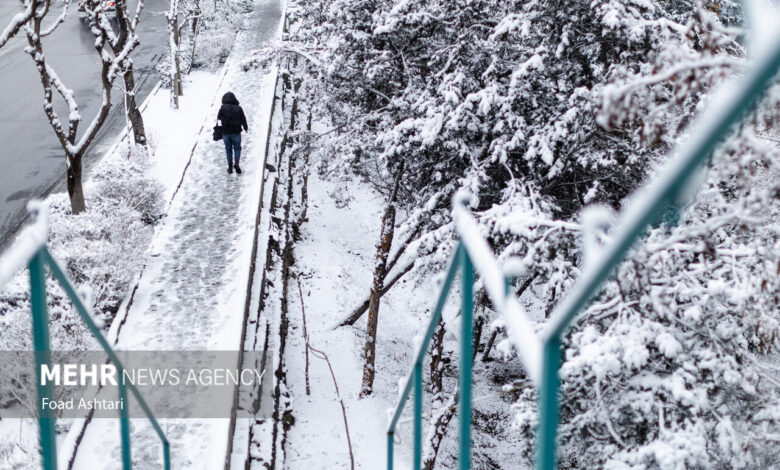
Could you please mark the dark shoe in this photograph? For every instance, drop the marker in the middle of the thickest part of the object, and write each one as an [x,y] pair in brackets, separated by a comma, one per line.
[238,168]
[230,168]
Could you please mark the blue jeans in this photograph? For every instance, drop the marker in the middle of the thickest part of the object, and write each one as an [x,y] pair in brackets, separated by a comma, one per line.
[232,147]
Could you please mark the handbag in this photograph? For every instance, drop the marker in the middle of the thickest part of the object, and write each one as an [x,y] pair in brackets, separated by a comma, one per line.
[217,133]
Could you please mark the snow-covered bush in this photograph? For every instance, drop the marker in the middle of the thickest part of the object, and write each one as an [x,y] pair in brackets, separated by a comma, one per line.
[15,457]
[101,249]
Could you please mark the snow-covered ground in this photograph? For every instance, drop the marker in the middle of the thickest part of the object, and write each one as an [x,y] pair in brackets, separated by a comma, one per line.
[334,262]
[173,133]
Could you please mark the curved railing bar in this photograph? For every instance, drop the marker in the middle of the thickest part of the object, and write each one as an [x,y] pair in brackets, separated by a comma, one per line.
[30,240]
[519,328]
[86,315]
[30,249]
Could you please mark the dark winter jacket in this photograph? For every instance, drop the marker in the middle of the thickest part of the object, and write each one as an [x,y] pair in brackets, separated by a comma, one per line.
[231,115]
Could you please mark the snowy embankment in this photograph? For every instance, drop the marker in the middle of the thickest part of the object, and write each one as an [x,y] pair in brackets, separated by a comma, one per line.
[333,263]
[192,291]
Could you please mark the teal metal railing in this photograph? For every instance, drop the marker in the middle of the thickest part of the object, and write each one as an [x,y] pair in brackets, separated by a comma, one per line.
[31,250]
[472,254]
[459,261]
[541,354]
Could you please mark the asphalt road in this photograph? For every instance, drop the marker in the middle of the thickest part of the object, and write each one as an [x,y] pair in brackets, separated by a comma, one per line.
[32,163]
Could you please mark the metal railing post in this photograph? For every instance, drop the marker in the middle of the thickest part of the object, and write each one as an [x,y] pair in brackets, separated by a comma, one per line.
[548,405]
[127,461]
[414,380]
[466,333]
[40,330]
[390,451]
[418,391]
[167,454]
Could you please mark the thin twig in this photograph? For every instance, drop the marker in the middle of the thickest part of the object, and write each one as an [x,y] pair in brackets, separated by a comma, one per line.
[321,355]
[305,338]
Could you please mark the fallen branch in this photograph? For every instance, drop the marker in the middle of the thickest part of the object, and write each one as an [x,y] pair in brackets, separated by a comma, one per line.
[358,312]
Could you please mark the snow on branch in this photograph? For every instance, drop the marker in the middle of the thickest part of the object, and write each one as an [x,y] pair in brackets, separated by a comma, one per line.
[137,17]
[19,20]
[519,328]
[732,101]
[60,19]
[264,56]
[113,64]
[614,92]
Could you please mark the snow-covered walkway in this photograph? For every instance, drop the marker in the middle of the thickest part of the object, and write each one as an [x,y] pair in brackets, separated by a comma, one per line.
[192,292]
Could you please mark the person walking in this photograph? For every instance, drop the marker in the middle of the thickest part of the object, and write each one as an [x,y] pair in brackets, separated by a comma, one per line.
[232,120]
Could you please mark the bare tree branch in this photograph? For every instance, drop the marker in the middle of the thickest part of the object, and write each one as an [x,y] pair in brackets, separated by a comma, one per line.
[18,21]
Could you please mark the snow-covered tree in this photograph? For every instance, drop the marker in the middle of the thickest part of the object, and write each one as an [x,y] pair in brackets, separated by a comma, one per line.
[113,51]
[174,43]
[540,109]
[126,31]
[199,36]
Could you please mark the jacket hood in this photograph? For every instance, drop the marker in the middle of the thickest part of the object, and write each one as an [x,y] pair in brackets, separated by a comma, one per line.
[229,98]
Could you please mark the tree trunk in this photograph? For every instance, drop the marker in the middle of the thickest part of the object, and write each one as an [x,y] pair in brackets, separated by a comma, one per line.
[363,307]
[194,34]
[173,38]
[177,57]
[489,346]
[441,412]
[382,252]
[494,333]
[479,323]
[75,188]
[131,106]
[112,54]
[437,368]
[438,430]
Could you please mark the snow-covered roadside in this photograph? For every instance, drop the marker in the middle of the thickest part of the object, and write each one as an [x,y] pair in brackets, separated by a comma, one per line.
[191,295]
